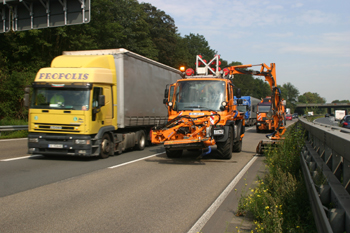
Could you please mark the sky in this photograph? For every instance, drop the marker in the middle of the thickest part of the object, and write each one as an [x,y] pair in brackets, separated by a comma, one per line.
[309,40]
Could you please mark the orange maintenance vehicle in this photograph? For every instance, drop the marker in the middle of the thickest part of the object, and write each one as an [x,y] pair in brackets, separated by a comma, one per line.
[274,116]
[202,113]
[264,121]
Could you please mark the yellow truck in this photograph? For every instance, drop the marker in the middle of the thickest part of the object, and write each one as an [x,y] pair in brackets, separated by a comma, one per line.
[96,103]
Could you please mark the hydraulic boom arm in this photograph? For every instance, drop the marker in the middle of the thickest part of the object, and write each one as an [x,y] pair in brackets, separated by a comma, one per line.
[269,72]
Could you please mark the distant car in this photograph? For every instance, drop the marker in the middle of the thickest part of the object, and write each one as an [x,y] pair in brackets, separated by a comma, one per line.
[295,115]
[289,117]
[345,122]
[327,115]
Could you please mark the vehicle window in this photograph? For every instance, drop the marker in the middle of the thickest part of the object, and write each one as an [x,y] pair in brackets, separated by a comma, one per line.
[60,98]
[200,95]
[262,108]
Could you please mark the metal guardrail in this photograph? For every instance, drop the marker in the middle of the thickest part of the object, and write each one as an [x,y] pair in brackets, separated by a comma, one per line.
[325,161]
[12,128]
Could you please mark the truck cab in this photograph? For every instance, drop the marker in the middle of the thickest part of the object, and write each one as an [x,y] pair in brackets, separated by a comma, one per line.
[202,113]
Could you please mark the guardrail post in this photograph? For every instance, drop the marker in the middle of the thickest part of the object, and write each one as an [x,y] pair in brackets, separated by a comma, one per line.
[346,177]
[336,219]
[325,193]
[327,157]
[336,166]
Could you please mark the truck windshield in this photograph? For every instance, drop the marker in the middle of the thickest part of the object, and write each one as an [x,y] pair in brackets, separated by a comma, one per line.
[264,108]
[54,98]
[242,108]
[200,95]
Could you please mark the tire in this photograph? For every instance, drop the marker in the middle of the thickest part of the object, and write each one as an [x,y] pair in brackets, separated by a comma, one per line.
[237,143]
[173,153]
[237,146]
[224,149]
[106,146]
[141,141]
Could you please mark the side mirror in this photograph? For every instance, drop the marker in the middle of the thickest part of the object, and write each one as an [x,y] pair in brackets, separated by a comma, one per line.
[238,95]
[26,100]
[165,101]
[101,101]
[223,106]
[26,97]
[166,93]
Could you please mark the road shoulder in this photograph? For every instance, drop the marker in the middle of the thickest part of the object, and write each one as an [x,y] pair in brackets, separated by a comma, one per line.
[225,219]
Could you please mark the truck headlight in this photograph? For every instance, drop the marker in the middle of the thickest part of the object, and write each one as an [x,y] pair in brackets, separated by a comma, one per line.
[31,150]
[82,141]
[219,131]
[33,139]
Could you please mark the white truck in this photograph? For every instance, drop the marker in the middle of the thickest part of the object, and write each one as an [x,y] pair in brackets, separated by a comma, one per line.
[339,114]
[287,110]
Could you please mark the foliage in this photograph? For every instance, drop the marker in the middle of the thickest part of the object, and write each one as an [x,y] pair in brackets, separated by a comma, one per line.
[11,97]
[251,86]
[311,98]
[280,202]
[163,33]
[13,134]
[11,121]
[198,45]
[340,101]
[290,93]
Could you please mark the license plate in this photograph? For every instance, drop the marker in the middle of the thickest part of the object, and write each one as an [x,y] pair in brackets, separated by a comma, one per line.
[55,127]
[55,146]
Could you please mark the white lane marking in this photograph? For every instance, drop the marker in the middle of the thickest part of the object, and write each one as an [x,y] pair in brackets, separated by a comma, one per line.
[119,165]
[197,227]
[8,140]
[24,157]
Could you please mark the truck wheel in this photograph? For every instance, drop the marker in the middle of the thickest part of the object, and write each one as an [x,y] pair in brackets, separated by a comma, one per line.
[105,147]
[224,149]
[141,142]
[237,143]
[173,153]
[237,146]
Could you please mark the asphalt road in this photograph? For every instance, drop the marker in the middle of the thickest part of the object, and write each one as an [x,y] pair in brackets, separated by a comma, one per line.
[328,121]
[137,191]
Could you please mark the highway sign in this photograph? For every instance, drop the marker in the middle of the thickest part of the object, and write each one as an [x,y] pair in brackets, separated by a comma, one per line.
[21,15]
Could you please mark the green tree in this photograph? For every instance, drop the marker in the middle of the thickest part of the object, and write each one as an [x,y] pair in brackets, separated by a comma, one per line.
[137,38]
[309,98]
[182,56]
[162,32]
[340,101]
[290,93]
[198,45]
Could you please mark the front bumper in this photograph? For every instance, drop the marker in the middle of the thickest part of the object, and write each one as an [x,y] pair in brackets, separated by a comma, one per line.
[61,144]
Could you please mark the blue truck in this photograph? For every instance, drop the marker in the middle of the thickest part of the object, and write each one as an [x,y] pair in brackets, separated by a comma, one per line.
[248,106]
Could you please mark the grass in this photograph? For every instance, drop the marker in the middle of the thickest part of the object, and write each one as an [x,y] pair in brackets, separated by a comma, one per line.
[280,201]
[13,134]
